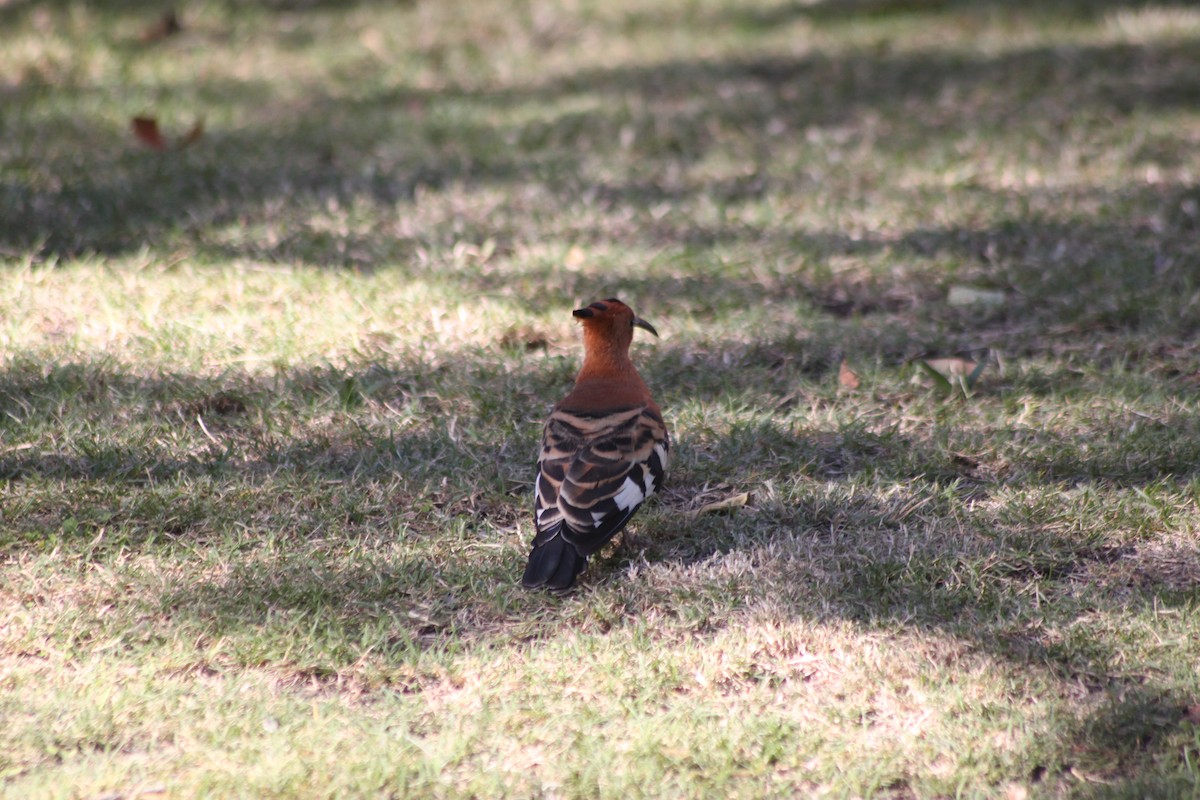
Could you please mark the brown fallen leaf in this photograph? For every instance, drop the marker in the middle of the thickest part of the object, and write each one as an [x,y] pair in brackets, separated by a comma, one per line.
[165,26]
[952,367]
[847,378]
[953,374]
[146,130]
[728,504]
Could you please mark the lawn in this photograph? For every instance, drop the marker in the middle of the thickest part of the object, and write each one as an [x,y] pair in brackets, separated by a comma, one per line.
[270,398]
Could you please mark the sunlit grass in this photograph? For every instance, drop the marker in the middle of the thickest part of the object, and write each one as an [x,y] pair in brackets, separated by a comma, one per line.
[269,404]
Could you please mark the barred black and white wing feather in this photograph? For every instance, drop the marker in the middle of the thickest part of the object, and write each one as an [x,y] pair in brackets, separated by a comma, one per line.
[595,470]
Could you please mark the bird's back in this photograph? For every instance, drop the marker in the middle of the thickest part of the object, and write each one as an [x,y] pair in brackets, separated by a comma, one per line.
[595,469]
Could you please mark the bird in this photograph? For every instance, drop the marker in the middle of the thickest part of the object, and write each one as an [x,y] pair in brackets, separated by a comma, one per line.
[605,449]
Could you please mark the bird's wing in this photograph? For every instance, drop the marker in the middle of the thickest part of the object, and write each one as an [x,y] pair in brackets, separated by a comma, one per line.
[595,469]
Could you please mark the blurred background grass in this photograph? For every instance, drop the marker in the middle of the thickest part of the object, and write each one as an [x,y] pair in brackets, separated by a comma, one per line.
[270,401]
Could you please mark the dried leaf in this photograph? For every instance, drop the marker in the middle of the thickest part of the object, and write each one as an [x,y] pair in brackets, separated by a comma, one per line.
[165,26]
[728,504]
[847,378]
[951,367]
[146,130]
[951,373]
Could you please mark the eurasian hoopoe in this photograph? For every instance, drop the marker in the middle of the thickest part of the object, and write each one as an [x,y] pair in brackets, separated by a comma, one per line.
[604,451]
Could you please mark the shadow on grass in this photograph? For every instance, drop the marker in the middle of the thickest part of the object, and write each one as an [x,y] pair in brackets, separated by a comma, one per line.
[189,459]
[1018,588]
[323,502]
[945,549]
[17,11]
[1118,263]
[361,152]
[848,10]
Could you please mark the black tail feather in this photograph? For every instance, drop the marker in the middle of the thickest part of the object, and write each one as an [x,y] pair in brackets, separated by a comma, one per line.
[554,564]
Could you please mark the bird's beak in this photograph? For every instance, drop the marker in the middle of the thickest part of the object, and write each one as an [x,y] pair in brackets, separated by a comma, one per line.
[638,322]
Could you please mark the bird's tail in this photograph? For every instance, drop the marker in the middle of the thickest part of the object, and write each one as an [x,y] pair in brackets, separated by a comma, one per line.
[554,564]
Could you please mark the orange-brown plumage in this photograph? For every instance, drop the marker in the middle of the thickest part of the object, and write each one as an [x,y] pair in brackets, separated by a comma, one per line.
[604,451]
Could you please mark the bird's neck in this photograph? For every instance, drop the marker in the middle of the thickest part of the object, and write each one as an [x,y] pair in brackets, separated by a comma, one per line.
[606,361]
[605,353]
[608,374]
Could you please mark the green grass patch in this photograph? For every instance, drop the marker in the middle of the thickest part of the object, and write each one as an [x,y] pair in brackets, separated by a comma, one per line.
[269,403]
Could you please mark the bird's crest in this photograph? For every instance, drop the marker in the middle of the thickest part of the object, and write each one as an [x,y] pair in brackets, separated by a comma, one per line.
[611,314]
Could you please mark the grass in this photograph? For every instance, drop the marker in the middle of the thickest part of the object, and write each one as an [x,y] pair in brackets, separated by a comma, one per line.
[269,404]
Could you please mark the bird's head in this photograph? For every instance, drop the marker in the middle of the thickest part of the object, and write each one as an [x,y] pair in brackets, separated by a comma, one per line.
[611,320]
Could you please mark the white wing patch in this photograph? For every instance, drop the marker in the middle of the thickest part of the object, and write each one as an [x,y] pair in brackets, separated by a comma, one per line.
[663,458]
[630,495]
